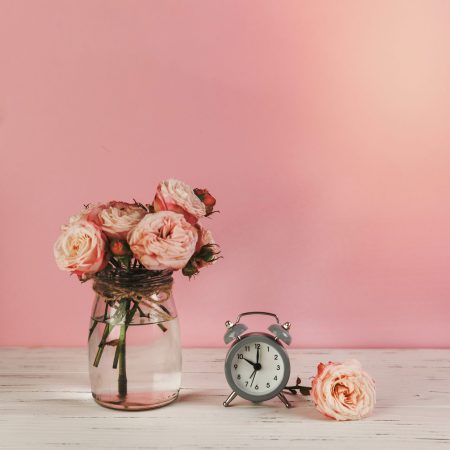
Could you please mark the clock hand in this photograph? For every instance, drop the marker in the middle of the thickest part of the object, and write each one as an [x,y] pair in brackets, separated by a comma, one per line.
[254,375]
[257,356]
[250,362]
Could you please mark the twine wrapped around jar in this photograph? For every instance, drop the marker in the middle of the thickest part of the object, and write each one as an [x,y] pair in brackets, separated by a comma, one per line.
[147,291]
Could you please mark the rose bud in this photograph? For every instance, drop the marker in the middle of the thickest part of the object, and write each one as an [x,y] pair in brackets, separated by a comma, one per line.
[207,199]
[190,269]
[207,255]
[119,248]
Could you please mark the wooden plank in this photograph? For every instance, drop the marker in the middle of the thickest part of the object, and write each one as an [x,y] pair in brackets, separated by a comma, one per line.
[45,402]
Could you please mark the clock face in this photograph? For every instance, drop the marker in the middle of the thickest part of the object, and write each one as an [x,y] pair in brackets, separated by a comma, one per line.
[257,367]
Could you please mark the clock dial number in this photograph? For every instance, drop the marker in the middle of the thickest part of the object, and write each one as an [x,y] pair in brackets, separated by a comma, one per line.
[258,371]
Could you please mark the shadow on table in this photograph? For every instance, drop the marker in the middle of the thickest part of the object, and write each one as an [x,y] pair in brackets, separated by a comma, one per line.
[301,407]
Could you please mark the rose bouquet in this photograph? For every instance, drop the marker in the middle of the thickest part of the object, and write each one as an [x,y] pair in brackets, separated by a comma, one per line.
[130,251]
[161,236]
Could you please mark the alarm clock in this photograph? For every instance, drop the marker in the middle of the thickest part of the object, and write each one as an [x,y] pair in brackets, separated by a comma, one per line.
[257,367]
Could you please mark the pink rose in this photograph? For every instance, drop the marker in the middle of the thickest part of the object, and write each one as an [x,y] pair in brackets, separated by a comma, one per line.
[163,240]
[80,248]
[83,214]
[116,219]
[205,237]
[206,252]
[343,391]
[174,195]
[206,249]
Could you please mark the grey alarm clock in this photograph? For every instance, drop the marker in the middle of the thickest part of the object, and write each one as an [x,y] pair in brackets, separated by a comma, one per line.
[257,367]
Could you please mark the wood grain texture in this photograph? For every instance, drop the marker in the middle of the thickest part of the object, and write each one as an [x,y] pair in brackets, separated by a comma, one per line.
[45,402]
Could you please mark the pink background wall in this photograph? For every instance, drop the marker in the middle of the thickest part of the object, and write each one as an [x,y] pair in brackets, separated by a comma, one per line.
[323,128]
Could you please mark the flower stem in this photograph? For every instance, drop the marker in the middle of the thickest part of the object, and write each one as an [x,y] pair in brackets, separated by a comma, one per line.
[160,325]
[163,328]
[105,314]
[106,332]
[95,322]
[91,330]
[101,345]
[121,347]
[128,318]
[304,390]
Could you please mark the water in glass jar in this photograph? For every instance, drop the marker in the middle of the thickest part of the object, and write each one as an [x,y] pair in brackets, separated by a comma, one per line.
[152,365]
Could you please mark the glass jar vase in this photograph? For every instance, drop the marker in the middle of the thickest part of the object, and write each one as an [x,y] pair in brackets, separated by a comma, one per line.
[134,342]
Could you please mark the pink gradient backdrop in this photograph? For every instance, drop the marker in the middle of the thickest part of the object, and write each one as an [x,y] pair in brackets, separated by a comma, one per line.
[323,128]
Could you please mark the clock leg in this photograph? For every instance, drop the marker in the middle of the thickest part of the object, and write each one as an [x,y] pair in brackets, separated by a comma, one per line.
[284,400]
[230,398]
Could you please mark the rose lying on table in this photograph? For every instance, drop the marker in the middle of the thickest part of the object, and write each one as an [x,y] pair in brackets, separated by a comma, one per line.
[340,391]
[343,391]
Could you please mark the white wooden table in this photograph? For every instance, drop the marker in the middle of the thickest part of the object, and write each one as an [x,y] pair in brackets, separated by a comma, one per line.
[45,402]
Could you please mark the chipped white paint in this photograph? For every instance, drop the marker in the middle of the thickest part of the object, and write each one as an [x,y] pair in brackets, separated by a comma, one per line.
[45,403]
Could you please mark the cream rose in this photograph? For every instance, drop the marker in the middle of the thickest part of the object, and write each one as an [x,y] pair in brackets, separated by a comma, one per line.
[208,255]
[116,219]
[83,214]
[163,240]
[80,248]
[205,237]
[175,195]
[343,391]
[206,252]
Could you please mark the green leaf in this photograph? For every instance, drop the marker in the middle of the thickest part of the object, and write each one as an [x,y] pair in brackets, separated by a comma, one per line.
[305,390]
